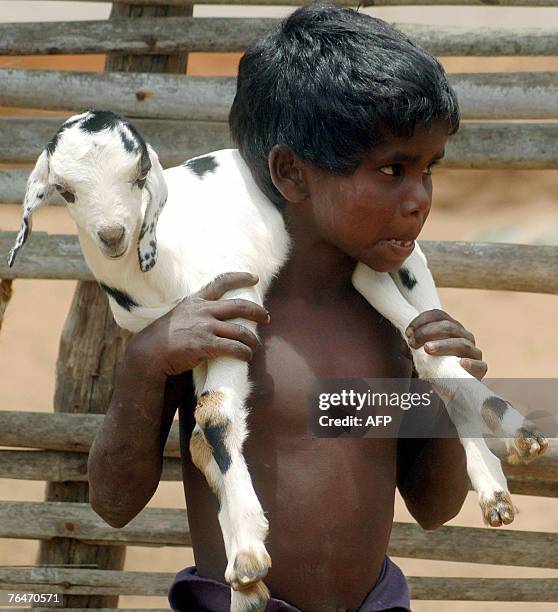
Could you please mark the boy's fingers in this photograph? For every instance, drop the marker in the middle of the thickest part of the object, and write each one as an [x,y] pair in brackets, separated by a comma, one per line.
[428,316]
[476,368]
[235,331]
[239,308]
[227,282]
[231,348]
[439,330]
[457,347]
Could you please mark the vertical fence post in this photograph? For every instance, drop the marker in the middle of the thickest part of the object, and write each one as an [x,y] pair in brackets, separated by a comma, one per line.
[5,297]
[92,346]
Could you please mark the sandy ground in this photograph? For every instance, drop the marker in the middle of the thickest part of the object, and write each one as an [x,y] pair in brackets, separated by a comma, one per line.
[516,331]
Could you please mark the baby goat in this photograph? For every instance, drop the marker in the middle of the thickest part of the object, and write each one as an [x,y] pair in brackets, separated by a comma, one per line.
[152,237]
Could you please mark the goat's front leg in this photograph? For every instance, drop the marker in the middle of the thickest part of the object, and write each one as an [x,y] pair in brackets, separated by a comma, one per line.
[523,441]
[216,445]
[484,469]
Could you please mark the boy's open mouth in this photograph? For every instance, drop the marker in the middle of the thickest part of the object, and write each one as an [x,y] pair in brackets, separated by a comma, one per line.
[402,243]
[395,249]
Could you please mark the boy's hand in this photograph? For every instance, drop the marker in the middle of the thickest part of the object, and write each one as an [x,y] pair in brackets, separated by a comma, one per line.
[198,329]
[442,335]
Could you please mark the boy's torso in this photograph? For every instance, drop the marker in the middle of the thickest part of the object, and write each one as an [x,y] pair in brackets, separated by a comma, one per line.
[329,501]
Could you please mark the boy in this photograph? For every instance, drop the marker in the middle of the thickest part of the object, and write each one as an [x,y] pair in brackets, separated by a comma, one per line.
[340,118]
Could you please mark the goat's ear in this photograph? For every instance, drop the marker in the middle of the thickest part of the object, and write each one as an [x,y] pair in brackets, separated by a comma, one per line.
[36,194]
[157,190]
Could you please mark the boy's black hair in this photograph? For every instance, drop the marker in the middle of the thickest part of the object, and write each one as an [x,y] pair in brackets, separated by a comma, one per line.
[331,83]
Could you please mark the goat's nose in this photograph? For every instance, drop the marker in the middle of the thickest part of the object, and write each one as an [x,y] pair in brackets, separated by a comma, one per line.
[111,236]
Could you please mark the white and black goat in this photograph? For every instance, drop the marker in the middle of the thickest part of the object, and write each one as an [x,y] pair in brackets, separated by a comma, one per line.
[152,237]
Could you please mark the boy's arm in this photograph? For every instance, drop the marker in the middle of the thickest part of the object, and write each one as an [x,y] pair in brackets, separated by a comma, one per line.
[432,473]
[126,458]
[432,476]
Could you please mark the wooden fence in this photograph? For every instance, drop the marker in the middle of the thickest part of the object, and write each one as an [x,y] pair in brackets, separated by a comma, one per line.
[509,124]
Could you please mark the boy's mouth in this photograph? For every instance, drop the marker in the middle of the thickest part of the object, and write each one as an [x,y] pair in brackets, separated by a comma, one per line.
[395,249]
[402,243]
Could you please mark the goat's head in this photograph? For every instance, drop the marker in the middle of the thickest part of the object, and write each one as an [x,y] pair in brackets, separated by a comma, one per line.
[101,166]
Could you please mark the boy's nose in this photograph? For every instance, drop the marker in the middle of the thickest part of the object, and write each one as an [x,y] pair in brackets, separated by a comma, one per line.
[417,201]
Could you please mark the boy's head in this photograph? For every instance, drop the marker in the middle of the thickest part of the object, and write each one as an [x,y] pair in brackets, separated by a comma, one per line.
[331,84]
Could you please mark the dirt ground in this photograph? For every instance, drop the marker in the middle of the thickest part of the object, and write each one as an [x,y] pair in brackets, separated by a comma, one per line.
[516,331]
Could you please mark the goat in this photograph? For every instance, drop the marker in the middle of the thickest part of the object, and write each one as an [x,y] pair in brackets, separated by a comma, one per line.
[188,230]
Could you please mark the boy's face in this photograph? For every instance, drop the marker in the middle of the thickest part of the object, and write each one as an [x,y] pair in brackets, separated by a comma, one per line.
[375,214]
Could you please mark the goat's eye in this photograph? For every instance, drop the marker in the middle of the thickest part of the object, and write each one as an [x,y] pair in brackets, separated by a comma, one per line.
[67,195]
[140,182]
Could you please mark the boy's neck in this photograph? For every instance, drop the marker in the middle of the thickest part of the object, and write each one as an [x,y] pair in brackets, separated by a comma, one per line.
[316,271]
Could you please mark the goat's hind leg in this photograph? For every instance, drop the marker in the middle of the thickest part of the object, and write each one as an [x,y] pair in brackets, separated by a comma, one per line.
[484,469]
[523,441]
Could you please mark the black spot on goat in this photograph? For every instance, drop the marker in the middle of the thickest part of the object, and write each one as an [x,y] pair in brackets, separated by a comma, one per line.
[215,435]
[407,278]
[202,165]
[122,298]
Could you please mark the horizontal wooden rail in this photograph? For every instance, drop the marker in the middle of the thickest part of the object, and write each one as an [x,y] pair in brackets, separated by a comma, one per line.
[472,265]
[84,581]
[540,479]
[476,145]
[148,95]
[112,582]
[60,431]
[73,433]
[164,35]
[174,141]
[47,520]
[169,527]
[63,466]
[484,589]
[490,265]
[519,95]
[364,3]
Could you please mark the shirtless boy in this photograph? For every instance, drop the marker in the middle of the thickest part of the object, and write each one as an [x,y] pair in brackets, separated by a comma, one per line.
[340,118]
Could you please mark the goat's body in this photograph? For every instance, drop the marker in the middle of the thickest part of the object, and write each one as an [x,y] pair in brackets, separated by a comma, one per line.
[214,223]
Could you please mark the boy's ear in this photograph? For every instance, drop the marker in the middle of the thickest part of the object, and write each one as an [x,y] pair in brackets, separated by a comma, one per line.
[287,174]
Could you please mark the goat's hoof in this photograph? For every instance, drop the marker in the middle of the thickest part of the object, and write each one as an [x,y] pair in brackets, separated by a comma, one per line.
[253,598]
[527,445]
[249,567]
[498,510]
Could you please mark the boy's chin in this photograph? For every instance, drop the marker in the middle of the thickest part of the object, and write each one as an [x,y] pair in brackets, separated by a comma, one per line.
[385,266]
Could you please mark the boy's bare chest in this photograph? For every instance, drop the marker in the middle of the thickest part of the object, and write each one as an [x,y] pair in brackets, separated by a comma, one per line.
[307,344]
[342,338]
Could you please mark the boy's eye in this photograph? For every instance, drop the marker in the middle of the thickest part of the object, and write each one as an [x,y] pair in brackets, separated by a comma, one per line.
[392,169]
[428,170]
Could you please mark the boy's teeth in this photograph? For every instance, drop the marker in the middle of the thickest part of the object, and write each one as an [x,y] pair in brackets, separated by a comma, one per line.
[403,243]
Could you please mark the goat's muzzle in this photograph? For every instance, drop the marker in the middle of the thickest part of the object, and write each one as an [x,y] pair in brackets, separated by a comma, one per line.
[112,240]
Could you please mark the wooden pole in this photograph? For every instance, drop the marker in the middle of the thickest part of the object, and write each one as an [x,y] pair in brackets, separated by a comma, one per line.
[5,296]
[91,348]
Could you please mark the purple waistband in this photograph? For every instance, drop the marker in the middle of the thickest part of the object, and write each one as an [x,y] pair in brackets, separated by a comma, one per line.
[192,593]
